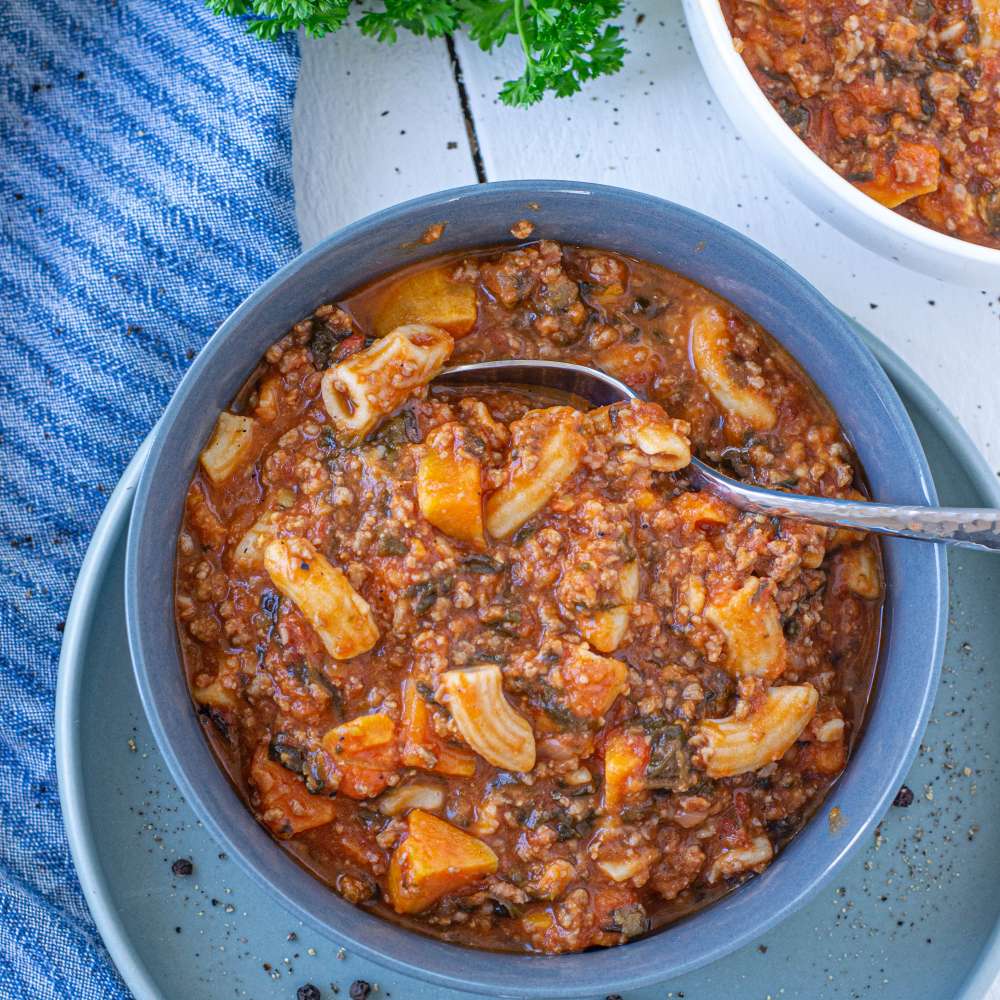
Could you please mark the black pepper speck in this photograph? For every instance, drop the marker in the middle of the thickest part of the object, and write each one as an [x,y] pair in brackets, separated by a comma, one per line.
[904,797]
[308,992]
[359,990]
[182,866]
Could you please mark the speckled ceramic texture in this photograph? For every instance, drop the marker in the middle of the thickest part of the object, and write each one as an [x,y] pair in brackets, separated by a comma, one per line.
[906,919]
[815,333]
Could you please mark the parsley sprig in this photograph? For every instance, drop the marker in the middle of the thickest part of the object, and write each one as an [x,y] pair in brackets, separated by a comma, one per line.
[565,43]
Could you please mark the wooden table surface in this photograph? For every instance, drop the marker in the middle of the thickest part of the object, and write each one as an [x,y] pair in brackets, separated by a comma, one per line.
[375,126]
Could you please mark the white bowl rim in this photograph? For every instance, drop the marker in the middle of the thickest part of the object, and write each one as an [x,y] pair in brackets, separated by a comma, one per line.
[837,186]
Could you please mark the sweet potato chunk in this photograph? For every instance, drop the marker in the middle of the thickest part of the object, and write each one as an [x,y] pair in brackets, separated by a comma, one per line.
[364,754]
[429,297]
[626,756]
[450,487]
[422,747]
[857,567]
[703,512]
[286,807]
[588,684]
[435,859]
[915,169]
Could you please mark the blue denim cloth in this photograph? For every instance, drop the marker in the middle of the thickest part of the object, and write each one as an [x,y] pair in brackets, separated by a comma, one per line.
[145,189]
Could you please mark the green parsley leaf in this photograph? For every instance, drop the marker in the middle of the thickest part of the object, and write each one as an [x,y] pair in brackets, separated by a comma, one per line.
[269,18]
[565,43]
[433,18]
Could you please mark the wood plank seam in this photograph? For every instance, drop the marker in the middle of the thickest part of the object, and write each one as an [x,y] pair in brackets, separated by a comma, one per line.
[470,121]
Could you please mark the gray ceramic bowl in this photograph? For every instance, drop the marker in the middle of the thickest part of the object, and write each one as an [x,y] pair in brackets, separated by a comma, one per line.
[724,261]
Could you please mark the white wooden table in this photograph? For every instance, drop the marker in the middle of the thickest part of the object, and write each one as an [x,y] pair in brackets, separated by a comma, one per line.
[374,127]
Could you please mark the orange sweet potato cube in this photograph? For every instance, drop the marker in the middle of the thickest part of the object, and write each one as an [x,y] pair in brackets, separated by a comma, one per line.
[703,512]
[360,736]
[364,754]
[626,756]
[422,747]
[590,683]
[450,487]
[914,169]
[431,297]
[287,808]
[433,860]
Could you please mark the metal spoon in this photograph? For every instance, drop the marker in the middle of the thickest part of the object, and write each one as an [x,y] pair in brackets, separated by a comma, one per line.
[970,527]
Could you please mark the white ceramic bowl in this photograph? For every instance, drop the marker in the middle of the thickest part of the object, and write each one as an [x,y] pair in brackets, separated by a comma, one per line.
[821,188]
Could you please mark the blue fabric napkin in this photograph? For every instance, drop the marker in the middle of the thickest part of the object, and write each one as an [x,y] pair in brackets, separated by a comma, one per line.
[145,189]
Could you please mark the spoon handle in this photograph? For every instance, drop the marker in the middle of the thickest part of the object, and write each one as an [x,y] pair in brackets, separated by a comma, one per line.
[969,527]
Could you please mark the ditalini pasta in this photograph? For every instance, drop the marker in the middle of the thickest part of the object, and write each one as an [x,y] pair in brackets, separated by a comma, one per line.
[484,717]
[728,381]
[487,661]
[369,385]
[341,617]
[229,447]
[546,448]
[750,623]
[756,735]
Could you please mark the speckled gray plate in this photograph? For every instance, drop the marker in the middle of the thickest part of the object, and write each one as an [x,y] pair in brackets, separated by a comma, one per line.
[913,916]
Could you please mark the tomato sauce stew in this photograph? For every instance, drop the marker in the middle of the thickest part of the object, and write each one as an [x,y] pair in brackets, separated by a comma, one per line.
[901,97]
[482,660]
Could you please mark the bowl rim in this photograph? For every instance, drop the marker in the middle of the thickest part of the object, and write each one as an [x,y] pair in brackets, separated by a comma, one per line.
[454,966]
[795,149]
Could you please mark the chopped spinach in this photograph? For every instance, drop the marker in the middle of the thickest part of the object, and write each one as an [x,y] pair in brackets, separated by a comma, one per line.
[390,545]
[780,830]
[324,344]
[314,771]
[555,708]
[329,439]
[502,619]
[481,565]
[669,762]
[282,750]
[218,720]
[630,921]
[538,817]
[424,595]
[396,432]
[499,658]
[567,829]
[524,533]
[270,604]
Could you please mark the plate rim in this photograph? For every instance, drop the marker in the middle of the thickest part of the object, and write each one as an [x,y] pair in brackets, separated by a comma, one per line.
[113,522]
